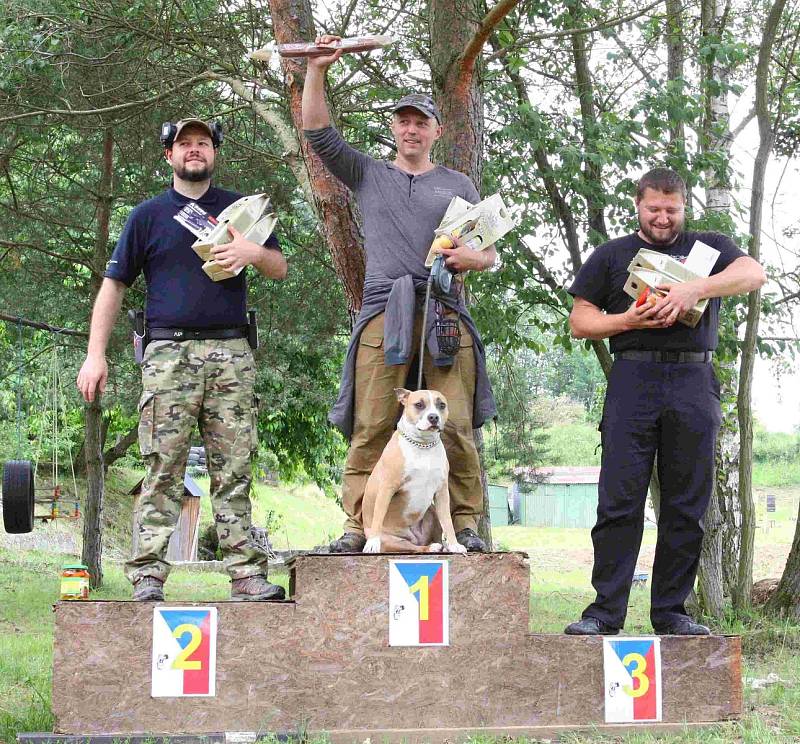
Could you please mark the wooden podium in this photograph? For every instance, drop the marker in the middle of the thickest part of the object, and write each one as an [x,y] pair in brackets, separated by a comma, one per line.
[321,662]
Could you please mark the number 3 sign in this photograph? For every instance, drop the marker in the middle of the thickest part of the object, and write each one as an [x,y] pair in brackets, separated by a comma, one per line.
[184,651]
[632,671]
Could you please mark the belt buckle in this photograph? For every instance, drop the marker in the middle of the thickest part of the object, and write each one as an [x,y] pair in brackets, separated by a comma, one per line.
[670,356]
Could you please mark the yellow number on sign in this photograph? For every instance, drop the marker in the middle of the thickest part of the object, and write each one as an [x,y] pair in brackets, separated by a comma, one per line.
[421,586]
[183,661]
[637,673]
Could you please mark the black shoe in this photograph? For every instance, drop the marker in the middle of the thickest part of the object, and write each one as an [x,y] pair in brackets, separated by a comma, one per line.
[350,542]
[590,626]
[471,540]
[682,626]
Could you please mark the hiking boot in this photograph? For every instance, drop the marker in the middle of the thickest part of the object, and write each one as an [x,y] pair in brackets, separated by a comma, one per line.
[471,540]
[349,542]
[148,589]
[255,589]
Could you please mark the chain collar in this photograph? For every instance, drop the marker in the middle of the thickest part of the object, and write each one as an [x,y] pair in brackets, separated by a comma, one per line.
[416,442]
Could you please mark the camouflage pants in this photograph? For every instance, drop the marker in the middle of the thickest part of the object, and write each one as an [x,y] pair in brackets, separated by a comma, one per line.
[211,383]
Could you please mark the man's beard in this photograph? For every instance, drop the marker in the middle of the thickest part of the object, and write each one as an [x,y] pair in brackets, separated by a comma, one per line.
[655,240]
[203,174]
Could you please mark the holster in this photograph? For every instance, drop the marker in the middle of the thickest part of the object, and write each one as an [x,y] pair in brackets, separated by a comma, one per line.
[252,329]
[140,339]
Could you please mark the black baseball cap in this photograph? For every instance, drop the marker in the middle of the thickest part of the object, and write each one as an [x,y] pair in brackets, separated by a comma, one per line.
[421,103]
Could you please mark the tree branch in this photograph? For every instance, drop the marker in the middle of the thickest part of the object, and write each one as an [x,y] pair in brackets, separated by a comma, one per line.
[487,25]
[189,82]
[42,326]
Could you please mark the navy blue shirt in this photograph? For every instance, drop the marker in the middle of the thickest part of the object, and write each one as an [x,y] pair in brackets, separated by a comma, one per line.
[601,279]
[179,293]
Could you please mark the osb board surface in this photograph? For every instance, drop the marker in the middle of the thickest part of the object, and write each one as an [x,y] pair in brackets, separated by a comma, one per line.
[324,663]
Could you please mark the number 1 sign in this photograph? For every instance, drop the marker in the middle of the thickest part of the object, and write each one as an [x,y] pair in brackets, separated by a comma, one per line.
[184,652]
[419,608]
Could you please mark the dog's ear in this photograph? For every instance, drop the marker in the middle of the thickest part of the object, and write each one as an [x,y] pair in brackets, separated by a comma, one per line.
[402,394]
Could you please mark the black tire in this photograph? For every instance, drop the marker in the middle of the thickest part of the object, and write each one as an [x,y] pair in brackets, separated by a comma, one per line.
[18,496]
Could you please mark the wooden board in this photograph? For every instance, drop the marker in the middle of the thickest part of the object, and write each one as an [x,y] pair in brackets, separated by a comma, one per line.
[322,663]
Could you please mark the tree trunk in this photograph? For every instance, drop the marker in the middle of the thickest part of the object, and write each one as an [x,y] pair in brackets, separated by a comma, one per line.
[744,585]
[592,171]
[453,23]
[92,553]
[293,21]
[675,72]
[786,599]
[716,126]
[456,89]
[719,558]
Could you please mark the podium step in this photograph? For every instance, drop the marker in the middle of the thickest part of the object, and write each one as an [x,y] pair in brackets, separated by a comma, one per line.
[322,663]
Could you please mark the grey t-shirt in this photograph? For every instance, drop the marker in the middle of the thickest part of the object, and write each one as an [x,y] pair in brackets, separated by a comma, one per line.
[400,211]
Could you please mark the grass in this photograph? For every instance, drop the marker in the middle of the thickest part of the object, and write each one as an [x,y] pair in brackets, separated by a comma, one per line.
[297,516]
[560,588]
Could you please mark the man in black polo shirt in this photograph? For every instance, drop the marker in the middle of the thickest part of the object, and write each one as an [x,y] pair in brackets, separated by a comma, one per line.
[206,377]
[662,397]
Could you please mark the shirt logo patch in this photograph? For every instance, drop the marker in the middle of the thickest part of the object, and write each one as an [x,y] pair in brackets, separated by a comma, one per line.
[439,191]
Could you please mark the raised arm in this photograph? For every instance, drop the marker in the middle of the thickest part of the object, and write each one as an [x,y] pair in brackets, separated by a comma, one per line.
[315,107]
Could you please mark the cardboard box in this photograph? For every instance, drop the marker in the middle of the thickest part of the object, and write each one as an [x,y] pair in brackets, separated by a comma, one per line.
[649,269]
[479,225]
[251,215]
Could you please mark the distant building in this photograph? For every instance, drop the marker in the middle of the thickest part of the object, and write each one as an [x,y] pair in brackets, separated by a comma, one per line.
[562,496]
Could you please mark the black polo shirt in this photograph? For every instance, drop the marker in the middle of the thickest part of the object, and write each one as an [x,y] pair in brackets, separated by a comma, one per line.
[179,293]
[601,279]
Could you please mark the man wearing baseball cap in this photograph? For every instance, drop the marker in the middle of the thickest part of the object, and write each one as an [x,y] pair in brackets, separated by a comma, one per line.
[402,201]
[198,367]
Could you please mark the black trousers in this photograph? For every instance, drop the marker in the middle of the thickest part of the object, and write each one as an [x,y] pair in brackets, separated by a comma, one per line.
[673,410]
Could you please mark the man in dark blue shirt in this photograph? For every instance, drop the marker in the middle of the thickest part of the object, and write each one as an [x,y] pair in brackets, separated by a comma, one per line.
[662,397]
[197,368]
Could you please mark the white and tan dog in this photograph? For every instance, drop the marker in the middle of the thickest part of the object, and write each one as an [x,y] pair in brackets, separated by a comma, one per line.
[406,506]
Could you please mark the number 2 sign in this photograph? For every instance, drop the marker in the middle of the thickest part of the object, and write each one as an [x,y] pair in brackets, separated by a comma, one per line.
[632,673]
[184,651]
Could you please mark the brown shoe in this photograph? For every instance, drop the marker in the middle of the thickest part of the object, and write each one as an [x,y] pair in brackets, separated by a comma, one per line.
[255,589]
[349,542]
[148,589]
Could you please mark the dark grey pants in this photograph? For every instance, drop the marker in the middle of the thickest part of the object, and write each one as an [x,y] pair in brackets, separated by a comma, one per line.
[673,410]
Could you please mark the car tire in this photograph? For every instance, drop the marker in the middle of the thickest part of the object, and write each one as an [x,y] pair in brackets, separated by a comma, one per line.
[18,494]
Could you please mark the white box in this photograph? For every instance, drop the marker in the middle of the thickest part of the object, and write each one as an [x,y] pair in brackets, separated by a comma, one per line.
[478,225]
[649,269]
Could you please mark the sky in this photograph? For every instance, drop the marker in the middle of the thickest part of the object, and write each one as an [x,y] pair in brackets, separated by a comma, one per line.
[776,385]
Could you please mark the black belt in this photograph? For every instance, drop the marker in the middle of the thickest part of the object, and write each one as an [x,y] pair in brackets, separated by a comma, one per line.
[194,334]
[665,356]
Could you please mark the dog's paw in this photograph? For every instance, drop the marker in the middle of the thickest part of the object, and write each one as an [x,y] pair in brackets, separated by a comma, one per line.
[373,545]
[435,548]
[455,548]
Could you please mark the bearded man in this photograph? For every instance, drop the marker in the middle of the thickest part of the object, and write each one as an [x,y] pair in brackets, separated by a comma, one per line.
[662,397]
[198,368]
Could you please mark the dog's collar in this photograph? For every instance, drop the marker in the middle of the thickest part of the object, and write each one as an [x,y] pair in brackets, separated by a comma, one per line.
[417,442]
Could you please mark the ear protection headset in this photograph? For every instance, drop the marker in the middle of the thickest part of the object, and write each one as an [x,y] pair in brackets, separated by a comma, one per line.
[169,130]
